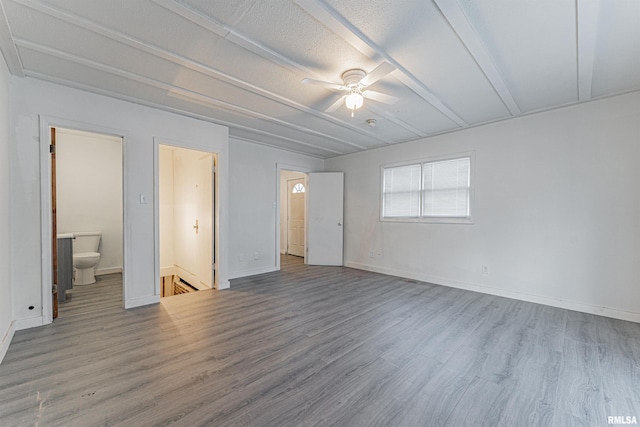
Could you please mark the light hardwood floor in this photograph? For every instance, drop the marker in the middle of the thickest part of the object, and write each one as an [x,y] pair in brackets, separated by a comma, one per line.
[322,346]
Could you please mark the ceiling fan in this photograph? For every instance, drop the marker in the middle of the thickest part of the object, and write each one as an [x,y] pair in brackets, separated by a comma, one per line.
[355,83]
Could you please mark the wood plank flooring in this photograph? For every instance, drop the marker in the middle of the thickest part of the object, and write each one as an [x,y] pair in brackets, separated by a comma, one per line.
[104,295]
[321,346]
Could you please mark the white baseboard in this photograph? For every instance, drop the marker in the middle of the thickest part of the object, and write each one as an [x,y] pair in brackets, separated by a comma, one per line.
[103,271]
[252,272]
[139,302]
[6,340]
[223,285]
[522,296]
[29,322]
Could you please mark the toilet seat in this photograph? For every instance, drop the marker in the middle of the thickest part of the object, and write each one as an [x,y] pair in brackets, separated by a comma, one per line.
[83,255]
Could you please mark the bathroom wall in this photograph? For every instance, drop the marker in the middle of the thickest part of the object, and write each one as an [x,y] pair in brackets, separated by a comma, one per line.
[6,324]
[89,190]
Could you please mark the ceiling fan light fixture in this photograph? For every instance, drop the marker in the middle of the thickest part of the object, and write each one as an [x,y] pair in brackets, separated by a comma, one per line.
[356,83]
[354,100]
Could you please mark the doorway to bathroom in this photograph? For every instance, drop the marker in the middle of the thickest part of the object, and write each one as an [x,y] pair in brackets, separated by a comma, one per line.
[87,220]
[186,216]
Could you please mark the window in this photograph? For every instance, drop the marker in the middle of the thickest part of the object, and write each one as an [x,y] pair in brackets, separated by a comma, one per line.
[430,191]
[298,188]
[401,191]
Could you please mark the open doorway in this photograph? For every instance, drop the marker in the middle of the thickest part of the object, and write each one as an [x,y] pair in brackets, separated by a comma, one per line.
[293,207]
[186,215]
[323,214]
[87,218]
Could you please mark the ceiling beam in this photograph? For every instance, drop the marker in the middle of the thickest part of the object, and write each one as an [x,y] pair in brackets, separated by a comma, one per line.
[210,24]
[191,64]
[392,118]
[210,102]
[218,28]
[164,107]
[291,150]
[329,17]
[470,39]
[178,91]
[586,24]
[9,51]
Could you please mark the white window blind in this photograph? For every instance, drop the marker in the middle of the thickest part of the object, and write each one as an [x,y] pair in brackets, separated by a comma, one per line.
[434,189]
[446,188]
[401,191]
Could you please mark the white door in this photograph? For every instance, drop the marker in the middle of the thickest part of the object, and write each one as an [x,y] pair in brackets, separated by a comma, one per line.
[184,197]
[204,223]
[295,216]
[325,217]
[193,219]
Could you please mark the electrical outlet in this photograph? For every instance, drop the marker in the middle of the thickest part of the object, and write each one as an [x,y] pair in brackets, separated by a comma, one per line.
[256,255]
[372,254]
[485,269]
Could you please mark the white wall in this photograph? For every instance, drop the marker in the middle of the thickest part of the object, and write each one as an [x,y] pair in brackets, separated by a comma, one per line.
[557,213]
[89,191]
[142,128]
[254,188]
[284,199]
[6,325]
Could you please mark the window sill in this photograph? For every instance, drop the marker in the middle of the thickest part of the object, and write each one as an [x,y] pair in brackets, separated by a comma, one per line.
[430,220]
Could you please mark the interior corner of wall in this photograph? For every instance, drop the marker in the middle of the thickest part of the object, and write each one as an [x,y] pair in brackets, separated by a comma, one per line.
[6,340]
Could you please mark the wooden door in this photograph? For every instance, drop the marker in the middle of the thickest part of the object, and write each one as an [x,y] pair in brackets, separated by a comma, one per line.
[54,226]
[296,191]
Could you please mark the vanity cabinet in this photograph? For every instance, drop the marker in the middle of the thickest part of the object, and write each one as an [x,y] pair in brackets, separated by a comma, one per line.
[65,266]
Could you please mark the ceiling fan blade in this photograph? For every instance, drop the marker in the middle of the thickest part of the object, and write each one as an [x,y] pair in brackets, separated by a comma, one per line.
[380,97]
[327,85]
[377,73]
[333,107]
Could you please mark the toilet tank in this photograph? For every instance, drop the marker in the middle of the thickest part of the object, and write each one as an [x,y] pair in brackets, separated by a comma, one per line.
[86,241]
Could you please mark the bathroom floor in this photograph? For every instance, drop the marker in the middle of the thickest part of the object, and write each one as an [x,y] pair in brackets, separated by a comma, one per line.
[105,294]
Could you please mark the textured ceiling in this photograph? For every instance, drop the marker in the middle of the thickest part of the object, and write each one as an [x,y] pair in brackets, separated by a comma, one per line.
[458,63]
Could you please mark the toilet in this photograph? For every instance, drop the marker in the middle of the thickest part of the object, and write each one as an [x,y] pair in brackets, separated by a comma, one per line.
[85,256]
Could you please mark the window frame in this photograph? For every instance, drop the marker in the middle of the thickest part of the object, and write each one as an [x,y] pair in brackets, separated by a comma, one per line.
[431,219]
[301,189]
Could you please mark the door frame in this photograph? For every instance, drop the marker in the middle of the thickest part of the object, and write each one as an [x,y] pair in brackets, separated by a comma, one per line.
[215,209]
[293,168]
[288,207]
[46,216]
